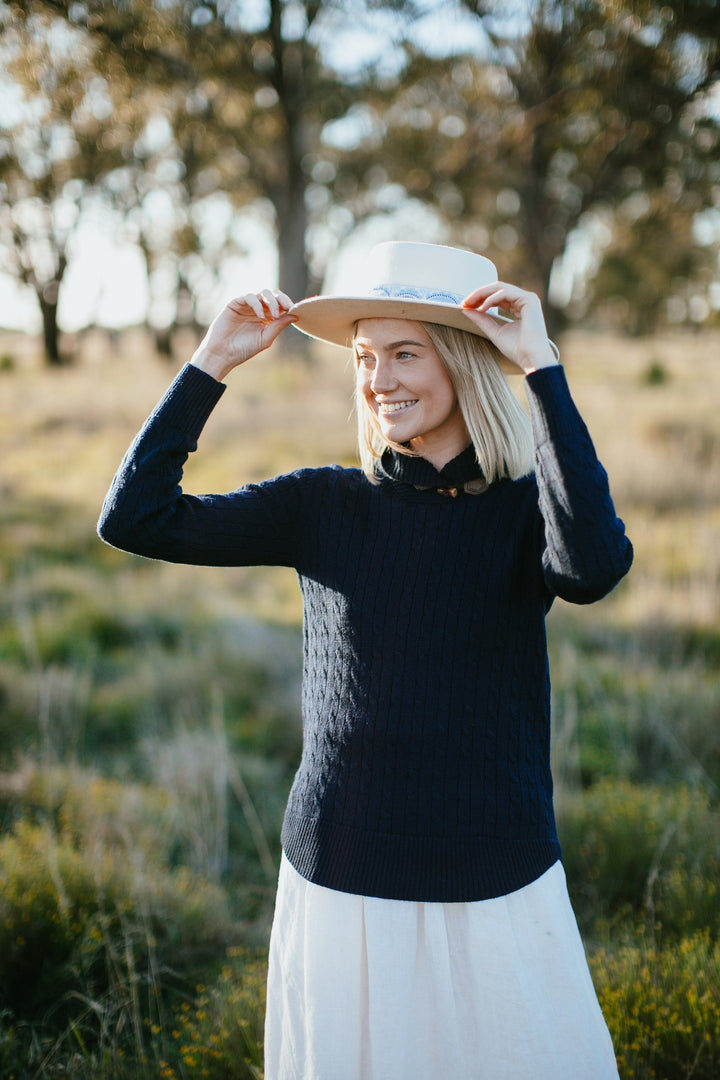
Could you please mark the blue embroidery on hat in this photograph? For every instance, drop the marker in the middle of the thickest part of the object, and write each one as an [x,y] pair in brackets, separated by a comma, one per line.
[415,292]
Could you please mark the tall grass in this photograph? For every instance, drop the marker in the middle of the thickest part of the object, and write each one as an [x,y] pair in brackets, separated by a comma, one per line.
[149,722]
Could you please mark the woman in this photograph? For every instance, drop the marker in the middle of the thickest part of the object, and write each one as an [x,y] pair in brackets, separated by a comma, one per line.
[422,924]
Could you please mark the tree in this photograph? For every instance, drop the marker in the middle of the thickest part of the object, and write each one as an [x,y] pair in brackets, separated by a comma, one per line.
[578,106]
[264,90]
[653,269]
[52,154]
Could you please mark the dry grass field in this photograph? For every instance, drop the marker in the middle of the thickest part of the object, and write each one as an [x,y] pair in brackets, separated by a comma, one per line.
[149,717]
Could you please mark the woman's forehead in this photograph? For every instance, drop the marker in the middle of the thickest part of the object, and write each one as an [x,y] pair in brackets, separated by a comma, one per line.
[387,331]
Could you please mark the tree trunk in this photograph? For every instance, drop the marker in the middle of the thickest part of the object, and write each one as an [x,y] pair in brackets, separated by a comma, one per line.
[293,273]
[292,259]
[48,301]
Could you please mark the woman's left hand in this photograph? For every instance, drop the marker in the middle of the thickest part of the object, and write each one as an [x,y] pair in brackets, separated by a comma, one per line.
[524,340]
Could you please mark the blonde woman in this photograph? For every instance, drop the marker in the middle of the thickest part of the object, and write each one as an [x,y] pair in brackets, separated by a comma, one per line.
[422,924]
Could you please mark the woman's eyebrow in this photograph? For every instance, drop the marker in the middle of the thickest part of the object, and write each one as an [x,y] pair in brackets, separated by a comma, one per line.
[359,343]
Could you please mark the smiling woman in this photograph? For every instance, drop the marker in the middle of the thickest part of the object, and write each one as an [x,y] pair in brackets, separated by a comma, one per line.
[403,382]
[422,924]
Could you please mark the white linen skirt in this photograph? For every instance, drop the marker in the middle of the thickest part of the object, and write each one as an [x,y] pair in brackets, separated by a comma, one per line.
[361,988]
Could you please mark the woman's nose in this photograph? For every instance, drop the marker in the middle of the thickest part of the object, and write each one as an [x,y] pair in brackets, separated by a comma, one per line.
[383,378]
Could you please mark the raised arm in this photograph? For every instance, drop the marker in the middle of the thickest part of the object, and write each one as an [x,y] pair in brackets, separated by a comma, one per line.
[586,551]
[146,511]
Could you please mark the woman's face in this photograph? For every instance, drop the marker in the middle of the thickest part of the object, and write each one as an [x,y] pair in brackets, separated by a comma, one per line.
[404,382]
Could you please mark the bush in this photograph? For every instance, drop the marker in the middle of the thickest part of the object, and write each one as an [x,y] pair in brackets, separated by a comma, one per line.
[643,706]
[221,1034]
[97,931]
[648,851]
[662,1006]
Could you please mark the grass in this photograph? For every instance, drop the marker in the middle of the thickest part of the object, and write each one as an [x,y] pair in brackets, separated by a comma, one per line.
[149,721]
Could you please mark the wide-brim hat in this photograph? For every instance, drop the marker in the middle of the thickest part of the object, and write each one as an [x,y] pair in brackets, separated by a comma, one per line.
[403,280]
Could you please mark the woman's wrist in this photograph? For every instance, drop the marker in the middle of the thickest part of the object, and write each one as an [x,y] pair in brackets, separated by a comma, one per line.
[544,358]
[211,363]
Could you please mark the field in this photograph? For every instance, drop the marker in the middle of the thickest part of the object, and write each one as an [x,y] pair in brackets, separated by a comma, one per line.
[149,722]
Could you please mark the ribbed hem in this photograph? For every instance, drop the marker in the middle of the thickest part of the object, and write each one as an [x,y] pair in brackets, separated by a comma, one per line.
[430,869]
[189,400]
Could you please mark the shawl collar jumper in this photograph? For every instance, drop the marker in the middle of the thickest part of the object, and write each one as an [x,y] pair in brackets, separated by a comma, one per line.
[425,770]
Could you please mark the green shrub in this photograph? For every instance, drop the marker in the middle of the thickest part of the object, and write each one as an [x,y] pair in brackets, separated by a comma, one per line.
[643,706]
[650,852]
[662,1006]
[220,1035]
[97,930]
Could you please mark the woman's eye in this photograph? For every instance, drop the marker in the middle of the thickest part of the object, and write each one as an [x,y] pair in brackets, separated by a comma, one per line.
[366,359]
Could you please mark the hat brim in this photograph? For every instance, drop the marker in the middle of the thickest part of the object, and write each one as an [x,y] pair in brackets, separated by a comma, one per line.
[333,318]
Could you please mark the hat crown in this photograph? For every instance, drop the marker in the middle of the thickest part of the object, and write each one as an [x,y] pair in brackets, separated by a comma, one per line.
[430,272]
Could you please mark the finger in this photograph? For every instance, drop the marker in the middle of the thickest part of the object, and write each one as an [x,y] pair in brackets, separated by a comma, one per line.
[498,295]
[276,327]
[477,296]
[271,302]
[253,301]
[485,322]
[284,300]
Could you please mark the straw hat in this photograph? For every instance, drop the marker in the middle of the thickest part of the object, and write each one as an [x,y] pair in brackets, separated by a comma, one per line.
[401,280]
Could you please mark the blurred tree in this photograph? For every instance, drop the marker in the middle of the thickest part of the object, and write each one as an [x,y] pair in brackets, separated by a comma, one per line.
[578,106]
[653,269]
[164,194]
[571,107]
[246,93]
[52,155]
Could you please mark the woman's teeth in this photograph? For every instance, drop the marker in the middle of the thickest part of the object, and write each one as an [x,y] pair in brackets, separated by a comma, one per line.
[394,406]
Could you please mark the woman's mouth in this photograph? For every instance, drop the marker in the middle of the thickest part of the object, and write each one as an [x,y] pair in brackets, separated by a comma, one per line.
[387,408]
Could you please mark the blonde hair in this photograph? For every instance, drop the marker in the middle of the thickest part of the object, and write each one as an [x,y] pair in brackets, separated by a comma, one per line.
[498,426]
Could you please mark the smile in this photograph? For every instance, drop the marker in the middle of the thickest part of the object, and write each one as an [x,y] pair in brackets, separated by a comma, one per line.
[386,407]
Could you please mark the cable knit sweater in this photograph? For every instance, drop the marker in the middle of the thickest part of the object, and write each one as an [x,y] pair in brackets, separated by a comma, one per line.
[425,771]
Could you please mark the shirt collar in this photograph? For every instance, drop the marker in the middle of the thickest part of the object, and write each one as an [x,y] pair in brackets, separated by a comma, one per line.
[421,473]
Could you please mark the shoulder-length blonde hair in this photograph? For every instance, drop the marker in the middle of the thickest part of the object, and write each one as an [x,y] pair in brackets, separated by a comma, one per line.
[498,426]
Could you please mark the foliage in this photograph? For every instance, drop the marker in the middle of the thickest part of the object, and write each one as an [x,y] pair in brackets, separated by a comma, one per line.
[576,118]
[220,1034]
[637,705]
[237,108]
[652,269]
[581,108]
[96,933]
[662,1005]
[648,852]
[150,729]
[54,150]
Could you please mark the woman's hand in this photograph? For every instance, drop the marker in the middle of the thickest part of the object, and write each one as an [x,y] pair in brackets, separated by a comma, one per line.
[524,341]
[243,328]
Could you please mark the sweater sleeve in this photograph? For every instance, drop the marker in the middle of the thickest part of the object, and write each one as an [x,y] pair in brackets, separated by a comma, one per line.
[586,551]
[147,513]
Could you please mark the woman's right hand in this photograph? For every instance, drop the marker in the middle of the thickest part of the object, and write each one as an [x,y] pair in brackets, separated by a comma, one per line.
[243,328]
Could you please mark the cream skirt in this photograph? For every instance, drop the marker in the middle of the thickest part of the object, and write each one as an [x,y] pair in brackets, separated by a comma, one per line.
[361,988]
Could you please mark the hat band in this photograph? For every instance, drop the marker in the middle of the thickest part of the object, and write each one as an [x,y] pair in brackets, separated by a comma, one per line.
[416,292]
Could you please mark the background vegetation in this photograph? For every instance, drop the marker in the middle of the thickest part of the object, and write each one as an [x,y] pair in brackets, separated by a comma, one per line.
[150,721]
[148,713]
[573,141]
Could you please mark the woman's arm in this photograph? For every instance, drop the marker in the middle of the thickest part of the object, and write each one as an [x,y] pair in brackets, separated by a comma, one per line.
[146,511]
[586,551]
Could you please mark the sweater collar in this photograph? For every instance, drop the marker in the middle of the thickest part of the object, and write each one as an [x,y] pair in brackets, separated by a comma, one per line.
[421,473]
